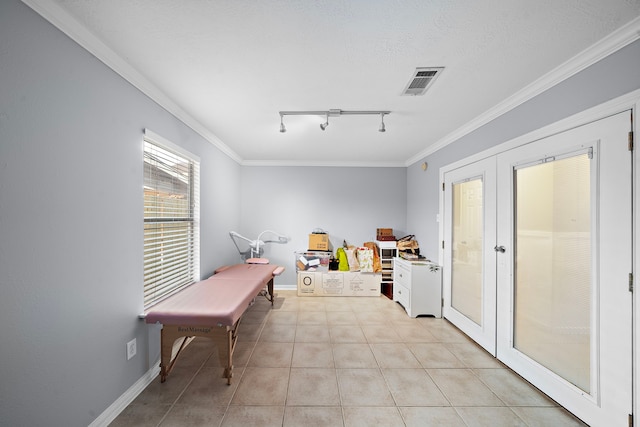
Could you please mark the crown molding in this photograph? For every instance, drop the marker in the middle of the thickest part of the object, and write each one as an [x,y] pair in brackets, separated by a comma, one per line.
[66,23]
[322,163]
[615,41]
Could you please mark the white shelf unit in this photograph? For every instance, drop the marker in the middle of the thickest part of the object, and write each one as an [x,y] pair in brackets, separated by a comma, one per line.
[387,251]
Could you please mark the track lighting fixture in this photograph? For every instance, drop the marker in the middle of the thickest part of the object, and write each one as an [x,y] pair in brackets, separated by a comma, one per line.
[324,125]
[332,113]
[282,128]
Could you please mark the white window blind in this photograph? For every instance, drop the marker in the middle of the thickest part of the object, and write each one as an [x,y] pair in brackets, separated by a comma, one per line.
[171,219]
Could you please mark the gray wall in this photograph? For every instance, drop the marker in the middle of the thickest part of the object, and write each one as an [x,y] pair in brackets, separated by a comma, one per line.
[71,211]
[71,224]
[611,77]
[349,203]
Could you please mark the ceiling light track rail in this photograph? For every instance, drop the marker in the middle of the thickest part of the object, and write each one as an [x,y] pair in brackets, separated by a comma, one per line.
[333,113]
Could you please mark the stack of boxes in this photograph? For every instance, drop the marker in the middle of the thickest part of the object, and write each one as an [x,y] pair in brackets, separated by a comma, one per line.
[385,234]
[317,257]
[315,278]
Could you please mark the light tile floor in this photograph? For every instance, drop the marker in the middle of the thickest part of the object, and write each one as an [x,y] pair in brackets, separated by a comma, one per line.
[343,361]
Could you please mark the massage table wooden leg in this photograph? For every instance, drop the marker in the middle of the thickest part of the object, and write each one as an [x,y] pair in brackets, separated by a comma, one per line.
[225,338]
[227,341]
[269,294]
[166,350]
[270,287]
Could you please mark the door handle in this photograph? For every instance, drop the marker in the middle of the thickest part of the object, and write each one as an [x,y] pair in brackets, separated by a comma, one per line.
[500,249]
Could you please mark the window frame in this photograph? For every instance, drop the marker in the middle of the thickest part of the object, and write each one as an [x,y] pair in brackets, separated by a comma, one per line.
[164,264]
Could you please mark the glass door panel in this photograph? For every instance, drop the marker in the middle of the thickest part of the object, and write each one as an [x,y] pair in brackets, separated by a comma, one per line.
[466,265]
[553,274]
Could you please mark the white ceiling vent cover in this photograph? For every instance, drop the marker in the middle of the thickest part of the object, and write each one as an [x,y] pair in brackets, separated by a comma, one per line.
[422,78]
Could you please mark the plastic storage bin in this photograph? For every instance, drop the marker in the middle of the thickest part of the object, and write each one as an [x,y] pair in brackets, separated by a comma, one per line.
[312,261]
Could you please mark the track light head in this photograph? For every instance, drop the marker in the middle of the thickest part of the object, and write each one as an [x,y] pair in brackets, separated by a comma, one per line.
[282,128]
[324,125]
[382,128]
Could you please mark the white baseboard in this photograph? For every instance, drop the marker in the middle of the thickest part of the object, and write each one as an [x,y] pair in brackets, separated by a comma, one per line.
[110,414]
[285,288]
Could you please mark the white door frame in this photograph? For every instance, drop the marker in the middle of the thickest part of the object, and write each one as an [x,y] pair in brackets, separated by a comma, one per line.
[630,101]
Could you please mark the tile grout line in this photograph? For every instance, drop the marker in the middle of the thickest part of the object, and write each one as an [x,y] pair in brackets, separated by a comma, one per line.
[445,339]
[253,348]
[173,404]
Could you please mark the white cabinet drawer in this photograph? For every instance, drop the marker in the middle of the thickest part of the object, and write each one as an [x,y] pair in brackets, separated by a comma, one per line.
[401,295]
[402,275]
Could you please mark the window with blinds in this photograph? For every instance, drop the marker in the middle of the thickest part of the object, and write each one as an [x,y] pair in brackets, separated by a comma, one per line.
[171,219]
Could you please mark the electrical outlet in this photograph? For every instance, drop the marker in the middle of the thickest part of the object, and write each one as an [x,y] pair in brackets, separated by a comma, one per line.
[131,349]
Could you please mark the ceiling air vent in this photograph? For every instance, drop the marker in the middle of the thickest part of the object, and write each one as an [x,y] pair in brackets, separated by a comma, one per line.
[422,78]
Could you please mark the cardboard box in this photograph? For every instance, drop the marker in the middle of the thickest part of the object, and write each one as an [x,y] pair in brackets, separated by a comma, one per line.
[328,284]
[384,232]
[318,242]
[307,283]
[386,238]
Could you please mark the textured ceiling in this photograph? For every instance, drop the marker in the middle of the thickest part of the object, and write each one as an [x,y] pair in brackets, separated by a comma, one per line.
[232,65]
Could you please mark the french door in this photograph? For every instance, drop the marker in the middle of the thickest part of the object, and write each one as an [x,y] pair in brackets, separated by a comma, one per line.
[556,246]
[470,297]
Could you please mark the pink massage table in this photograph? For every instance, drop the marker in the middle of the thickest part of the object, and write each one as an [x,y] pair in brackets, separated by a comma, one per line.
[211,308]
